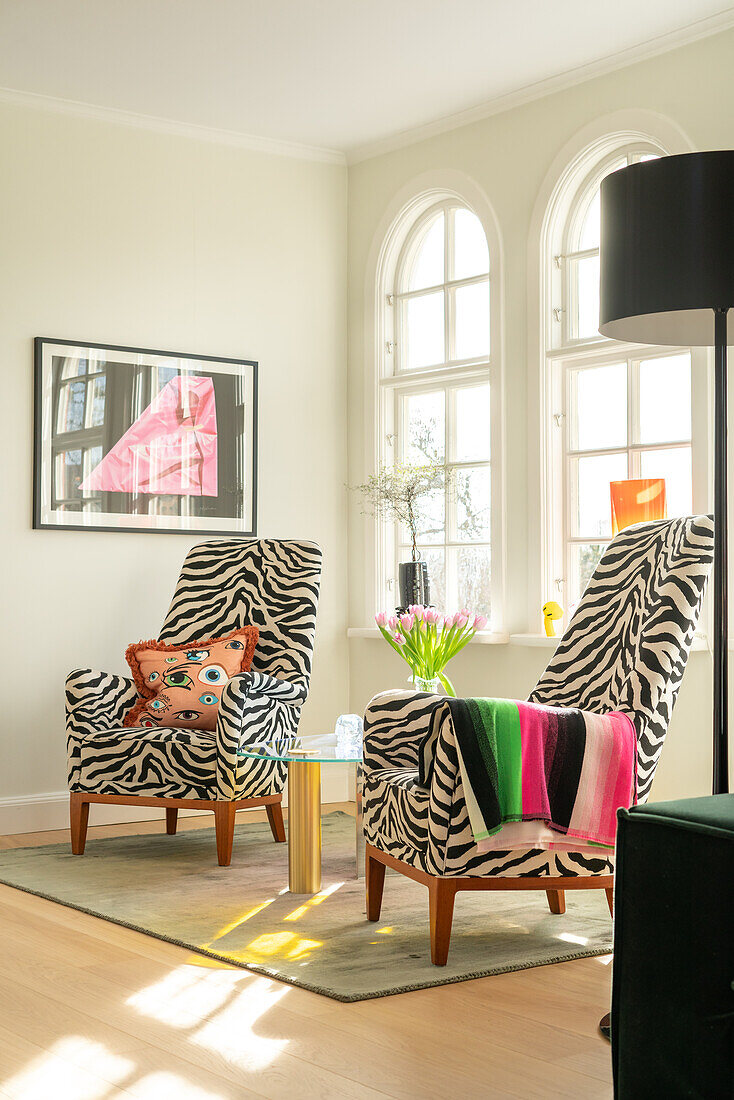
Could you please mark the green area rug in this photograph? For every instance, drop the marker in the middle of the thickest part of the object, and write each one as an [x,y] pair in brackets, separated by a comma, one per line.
[171,887]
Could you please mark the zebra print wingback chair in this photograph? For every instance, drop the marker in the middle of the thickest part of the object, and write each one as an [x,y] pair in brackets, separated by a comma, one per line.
[223,585]
[625,648]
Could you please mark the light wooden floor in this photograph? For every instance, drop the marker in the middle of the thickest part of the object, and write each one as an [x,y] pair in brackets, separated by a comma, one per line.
[89,1010]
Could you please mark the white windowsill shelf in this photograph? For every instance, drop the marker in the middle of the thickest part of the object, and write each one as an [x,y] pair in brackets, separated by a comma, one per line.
[483,637]
[533,641]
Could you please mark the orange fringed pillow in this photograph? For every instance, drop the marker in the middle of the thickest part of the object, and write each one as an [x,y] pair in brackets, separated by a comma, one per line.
[181,686]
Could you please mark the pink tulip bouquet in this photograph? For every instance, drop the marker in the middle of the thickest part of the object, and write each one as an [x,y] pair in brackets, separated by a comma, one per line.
[427,640]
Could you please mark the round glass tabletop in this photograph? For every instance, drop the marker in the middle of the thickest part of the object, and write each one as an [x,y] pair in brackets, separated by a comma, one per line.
[325,749]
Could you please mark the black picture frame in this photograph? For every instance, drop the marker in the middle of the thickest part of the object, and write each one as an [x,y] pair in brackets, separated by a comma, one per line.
[127,393]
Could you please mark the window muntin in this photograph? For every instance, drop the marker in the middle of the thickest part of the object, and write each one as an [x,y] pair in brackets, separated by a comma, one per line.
[442,291]
[612,416]
[436,399]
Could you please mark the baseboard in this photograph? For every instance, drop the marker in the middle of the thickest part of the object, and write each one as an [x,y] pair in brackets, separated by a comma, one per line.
[35,813]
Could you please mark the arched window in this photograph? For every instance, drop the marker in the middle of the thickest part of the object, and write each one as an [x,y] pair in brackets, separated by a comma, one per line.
[435,381]
[612,411]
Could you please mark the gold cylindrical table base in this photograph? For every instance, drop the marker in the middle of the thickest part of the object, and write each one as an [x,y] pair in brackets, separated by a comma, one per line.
[304,827]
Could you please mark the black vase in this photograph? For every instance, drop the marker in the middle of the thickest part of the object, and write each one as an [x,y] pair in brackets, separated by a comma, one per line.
[414,584]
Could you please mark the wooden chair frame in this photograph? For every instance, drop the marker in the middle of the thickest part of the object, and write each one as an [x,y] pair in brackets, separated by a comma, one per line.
[442,892]
[223,811]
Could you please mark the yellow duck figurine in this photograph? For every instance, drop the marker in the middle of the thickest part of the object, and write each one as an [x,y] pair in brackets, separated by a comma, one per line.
[551,612]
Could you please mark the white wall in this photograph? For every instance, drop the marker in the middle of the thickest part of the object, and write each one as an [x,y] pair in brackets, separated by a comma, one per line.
[121,235]
[507,156]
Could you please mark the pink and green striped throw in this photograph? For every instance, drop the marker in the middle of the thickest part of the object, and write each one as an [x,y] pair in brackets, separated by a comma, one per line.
[568,769]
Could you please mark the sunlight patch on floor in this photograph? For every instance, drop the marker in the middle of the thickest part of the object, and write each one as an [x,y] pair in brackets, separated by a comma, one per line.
[75,1068]
[167,1086]
[232,1031]
[220,1009]
[183,998]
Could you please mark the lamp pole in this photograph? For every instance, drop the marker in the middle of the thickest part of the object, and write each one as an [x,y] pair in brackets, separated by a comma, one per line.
[721,581]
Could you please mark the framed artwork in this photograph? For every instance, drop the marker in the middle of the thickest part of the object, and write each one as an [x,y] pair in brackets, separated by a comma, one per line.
[128,439]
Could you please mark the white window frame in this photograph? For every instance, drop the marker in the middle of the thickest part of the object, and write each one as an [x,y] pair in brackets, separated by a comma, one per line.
[391,384]
[564,350]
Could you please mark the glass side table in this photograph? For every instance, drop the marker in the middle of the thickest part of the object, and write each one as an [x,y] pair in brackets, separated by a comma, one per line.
[304,756]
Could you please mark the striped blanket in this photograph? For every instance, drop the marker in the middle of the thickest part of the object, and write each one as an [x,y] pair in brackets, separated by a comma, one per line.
[566,769]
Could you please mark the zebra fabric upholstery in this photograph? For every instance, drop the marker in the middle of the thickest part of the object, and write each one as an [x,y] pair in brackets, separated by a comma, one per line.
[223,586]
[625,648]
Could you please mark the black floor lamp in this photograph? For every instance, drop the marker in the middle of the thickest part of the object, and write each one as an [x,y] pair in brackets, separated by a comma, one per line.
[667,277]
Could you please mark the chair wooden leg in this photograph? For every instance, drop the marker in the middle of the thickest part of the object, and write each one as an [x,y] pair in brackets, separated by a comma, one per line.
[224,826]
[441,894]
[556,901]
[78,819]
[374,876]
[275,817]
[610,899]
[171,820]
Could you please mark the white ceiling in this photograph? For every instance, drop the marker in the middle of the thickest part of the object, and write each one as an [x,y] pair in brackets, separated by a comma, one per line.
[334,74]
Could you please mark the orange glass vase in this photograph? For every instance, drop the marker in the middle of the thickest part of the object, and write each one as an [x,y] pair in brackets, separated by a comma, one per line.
[636,501]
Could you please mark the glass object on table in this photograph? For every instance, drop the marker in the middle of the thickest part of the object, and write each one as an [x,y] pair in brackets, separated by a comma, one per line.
[349,732]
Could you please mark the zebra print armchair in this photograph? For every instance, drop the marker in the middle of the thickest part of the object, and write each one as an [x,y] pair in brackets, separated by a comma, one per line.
[223,585]
[625,648]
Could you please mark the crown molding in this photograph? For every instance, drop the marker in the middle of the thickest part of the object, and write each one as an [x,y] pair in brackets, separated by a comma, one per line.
[702,28]
[250,142]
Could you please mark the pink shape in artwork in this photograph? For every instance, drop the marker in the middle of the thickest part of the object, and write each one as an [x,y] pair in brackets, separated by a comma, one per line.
[170,448]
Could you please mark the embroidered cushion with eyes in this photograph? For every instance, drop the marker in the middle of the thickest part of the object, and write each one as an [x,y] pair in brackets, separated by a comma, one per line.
[182,685]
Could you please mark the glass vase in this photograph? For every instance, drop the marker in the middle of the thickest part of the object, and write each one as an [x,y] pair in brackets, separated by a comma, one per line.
[431,685]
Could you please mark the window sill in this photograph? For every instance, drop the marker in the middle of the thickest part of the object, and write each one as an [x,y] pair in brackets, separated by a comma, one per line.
[535,640]
[531,641]
[482,637]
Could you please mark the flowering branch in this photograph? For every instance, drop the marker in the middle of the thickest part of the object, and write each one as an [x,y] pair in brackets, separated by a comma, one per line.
[402,492]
